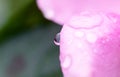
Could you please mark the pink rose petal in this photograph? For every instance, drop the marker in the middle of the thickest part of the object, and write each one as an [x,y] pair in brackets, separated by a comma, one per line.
[61,10]
[91,51]
[89,42]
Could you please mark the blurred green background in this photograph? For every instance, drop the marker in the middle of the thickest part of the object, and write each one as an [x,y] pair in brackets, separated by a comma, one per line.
[26,41]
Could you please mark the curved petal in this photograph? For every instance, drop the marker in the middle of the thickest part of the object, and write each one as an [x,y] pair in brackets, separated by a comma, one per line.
[61,10]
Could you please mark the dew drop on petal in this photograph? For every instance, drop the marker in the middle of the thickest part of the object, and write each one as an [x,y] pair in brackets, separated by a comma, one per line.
[91,37]
[66,62]
[85,21]
[79,45]
[57,39]
[79,34]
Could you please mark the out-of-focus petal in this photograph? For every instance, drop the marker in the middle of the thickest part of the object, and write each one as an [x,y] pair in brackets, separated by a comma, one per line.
[61,10]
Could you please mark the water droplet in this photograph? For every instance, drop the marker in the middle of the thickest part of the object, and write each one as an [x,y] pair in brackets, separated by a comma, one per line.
[79,45]
[85,21]
[91,37]
[66,62]
[57,39]
[79,34]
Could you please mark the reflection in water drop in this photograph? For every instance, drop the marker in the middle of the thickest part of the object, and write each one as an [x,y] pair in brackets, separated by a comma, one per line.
[57,39]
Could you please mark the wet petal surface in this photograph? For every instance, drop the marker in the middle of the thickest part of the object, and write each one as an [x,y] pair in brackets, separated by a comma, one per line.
[95,52]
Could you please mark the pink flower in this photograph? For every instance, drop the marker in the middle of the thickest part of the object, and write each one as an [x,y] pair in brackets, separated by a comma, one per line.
[61,10]
[90,37]
[90,46]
